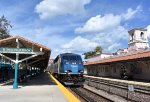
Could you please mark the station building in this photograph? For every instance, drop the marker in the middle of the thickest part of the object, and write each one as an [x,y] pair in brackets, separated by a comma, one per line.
[133,62]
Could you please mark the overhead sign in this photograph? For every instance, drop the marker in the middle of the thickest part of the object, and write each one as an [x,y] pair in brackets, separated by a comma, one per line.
[5,65]
[6,49]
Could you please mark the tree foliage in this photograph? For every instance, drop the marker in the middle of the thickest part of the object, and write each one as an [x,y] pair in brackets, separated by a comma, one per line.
[97,50]
[4,27]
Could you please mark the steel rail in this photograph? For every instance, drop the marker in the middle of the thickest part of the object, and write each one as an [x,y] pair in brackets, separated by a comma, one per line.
[89,96]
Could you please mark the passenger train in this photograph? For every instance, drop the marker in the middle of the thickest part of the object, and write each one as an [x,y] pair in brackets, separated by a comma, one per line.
[68,68]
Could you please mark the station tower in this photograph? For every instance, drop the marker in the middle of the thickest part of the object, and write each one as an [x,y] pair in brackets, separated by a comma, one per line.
[138,39]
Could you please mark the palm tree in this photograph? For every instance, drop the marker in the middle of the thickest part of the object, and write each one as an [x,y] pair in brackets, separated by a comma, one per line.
[98,50]
[4,27]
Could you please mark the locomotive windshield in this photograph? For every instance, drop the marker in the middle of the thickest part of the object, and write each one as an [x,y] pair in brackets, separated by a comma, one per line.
[79,59]
[72,59]
[65,59]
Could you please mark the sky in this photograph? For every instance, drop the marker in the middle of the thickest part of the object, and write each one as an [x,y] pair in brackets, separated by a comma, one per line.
[76,26]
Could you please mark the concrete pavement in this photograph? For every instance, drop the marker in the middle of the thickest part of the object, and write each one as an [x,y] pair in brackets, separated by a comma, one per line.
[40,89]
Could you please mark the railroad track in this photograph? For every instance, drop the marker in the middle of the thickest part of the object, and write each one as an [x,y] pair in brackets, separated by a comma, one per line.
[86,95]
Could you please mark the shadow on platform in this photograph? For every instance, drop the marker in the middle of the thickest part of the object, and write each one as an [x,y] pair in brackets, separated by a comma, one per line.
[38,80]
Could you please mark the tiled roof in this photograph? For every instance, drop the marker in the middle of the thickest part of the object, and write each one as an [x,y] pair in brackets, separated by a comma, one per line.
[128,56]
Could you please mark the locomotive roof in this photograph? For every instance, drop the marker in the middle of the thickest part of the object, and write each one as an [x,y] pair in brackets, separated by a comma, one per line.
[68,54]
[65,54]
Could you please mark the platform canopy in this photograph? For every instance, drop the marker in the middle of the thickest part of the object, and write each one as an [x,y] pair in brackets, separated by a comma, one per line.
[34,54]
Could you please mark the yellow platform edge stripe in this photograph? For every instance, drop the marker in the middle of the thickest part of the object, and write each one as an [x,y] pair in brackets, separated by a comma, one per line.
[67,93]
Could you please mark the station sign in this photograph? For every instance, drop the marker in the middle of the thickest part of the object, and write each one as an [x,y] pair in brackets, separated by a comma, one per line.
[7,49]
[130,87]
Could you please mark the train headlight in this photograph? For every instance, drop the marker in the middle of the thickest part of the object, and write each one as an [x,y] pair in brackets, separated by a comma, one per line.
[67,63]
[74,63]
[80,62]
[81,71]
[67,71]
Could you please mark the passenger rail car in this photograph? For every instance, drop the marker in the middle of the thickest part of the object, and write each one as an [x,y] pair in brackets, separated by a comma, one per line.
[5,71]
[68,68]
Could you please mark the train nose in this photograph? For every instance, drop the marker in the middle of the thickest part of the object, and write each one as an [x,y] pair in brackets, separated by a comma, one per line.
[74,68]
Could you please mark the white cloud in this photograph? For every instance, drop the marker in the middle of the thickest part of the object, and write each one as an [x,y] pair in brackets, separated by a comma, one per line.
[131,13]
[109,41]
[51,8]
[79,44]
[110,38]
[114,46]
[107,30]
[100,23]
[107,22]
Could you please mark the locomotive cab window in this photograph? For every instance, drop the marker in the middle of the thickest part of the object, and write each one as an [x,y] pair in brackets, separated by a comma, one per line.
[73,59]
[65,59]
[79,59]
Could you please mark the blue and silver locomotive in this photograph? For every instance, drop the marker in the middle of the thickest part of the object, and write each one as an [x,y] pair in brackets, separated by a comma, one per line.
[68,68]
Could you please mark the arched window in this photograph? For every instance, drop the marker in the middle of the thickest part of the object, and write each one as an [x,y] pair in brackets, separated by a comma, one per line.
[142,35]
[132,37]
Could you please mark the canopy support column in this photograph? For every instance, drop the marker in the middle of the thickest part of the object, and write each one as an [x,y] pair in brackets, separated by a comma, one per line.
[15,84]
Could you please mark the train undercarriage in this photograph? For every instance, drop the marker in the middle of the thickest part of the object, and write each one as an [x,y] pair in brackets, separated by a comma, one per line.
[70,79]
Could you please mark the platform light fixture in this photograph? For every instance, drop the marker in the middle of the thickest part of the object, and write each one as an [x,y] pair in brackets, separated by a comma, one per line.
[41,49]
[17,40]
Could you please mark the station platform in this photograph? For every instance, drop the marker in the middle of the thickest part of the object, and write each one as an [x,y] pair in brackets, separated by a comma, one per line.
[41,88]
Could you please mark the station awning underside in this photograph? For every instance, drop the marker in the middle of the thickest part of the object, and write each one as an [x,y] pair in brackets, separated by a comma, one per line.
[140,55]
[34,54]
